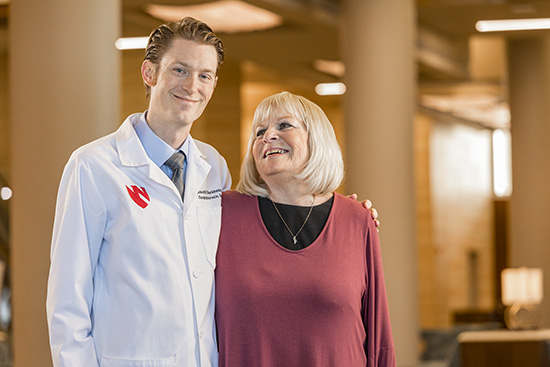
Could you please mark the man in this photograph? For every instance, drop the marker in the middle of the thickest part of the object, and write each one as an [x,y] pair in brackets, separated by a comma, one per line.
[132,261]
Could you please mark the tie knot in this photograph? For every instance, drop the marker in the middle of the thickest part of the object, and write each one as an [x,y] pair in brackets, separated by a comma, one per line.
[175,161]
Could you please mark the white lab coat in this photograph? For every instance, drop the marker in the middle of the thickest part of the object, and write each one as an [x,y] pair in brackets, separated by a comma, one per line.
[132,267]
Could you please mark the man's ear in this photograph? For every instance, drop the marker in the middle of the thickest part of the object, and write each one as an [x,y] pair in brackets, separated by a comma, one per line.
[148,73]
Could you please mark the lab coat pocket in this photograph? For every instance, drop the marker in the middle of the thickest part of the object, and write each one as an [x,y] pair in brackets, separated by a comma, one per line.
[124,362]
[210,220]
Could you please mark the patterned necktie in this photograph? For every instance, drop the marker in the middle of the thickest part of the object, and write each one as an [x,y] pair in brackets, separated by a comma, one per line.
[175,162]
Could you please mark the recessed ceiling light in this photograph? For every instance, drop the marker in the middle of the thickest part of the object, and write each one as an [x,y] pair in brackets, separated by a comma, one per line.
[513,24]
[226,16]
[5,193]
[131,43]
[330,89]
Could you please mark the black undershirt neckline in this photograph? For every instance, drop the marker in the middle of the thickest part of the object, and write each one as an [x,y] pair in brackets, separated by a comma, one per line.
[294,216]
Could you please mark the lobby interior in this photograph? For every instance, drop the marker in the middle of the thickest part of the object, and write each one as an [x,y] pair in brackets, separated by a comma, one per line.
[427,99]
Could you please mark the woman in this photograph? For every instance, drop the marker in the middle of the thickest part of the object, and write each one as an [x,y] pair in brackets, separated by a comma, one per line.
[299,278]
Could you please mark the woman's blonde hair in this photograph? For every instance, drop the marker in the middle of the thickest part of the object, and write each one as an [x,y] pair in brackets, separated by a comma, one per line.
[324,169]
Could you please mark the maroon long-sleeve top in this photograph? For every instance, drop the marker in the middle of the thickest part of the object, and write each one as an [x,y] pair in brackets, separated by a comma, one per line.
[324,305]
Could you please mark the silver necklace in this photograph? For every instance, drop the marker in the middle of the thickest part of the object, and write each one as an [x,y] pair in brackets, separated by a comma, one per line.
[286,225]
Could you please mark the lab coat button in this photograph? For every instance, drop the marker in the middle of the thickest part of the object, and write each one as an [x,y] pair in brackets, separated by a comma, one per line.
[201,334]
[196,274]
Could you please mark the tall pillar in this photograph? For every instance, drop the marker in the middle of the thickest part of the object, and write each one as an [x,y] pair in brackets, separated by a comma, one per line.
[64,92]
[379,39]
[529,84]
[220,124]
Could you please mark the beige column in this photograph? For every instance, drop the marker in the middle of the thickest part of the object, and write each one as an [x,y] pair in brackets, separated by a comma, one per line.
[379,40]
[220,124]
[64,92]
[529,83]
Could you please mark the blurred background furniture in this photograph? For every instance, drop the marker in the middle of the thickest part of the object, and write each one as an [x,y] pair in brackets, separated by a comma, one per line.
[505,348]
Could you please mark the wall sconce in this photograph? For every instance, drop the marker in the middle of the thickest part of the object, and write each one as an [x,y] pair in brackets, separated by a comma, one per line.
[522,292]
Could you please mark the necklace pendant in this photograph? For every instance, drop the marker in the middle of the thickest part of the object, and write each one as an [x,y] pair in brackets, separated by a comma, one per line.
[303,224]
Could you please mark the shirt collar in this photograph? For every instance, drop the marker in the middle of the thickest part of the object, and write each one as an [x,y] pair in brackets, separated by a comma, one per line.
[157,150]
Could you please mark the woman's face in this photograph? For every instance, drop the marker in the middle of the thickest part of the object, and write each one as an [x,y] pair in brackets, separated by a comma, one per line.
[281,146]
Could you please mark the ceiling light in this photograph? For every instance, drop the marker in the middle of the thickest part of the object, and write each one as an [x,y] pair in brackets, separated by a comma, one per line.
[5,193]
[330,89]
[131,43]
[513,25]
[226,16]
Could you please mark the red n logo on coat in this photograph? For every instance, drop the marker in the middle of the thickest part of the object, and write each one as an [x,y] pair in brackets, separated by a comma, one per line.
[139,195]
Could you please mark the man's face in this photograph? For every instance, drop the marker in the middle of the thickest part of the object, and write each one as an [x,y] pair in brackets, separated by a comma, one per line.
[182,84]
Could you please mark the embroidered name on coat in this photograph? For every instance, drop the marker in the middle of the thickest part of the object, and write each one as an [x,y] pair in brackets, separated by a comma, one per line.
[210,194]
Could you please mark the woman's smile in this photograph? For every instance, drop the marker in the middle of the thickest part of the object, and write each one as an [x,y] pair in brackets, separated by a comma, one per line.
[274,151]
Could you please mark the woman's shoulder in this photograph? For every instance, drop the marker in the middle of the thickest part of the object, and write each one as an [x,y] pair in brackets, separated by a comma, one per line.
[231,196]
[236,205]
[346,202]
[349,208]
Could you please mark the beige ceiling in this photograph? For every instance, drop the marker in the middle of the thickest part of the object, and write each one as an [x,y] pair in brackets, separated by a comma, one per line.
[310,31]
[457,18]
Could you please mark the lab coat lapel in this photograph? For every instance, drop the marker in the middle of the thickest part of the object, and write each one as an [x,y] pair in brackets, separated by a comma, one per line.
[132,153]
[197,171]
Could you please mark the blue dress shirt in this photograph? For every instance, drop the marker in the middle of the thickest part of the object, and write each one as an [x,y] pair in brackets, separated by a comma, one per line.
[158,150]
